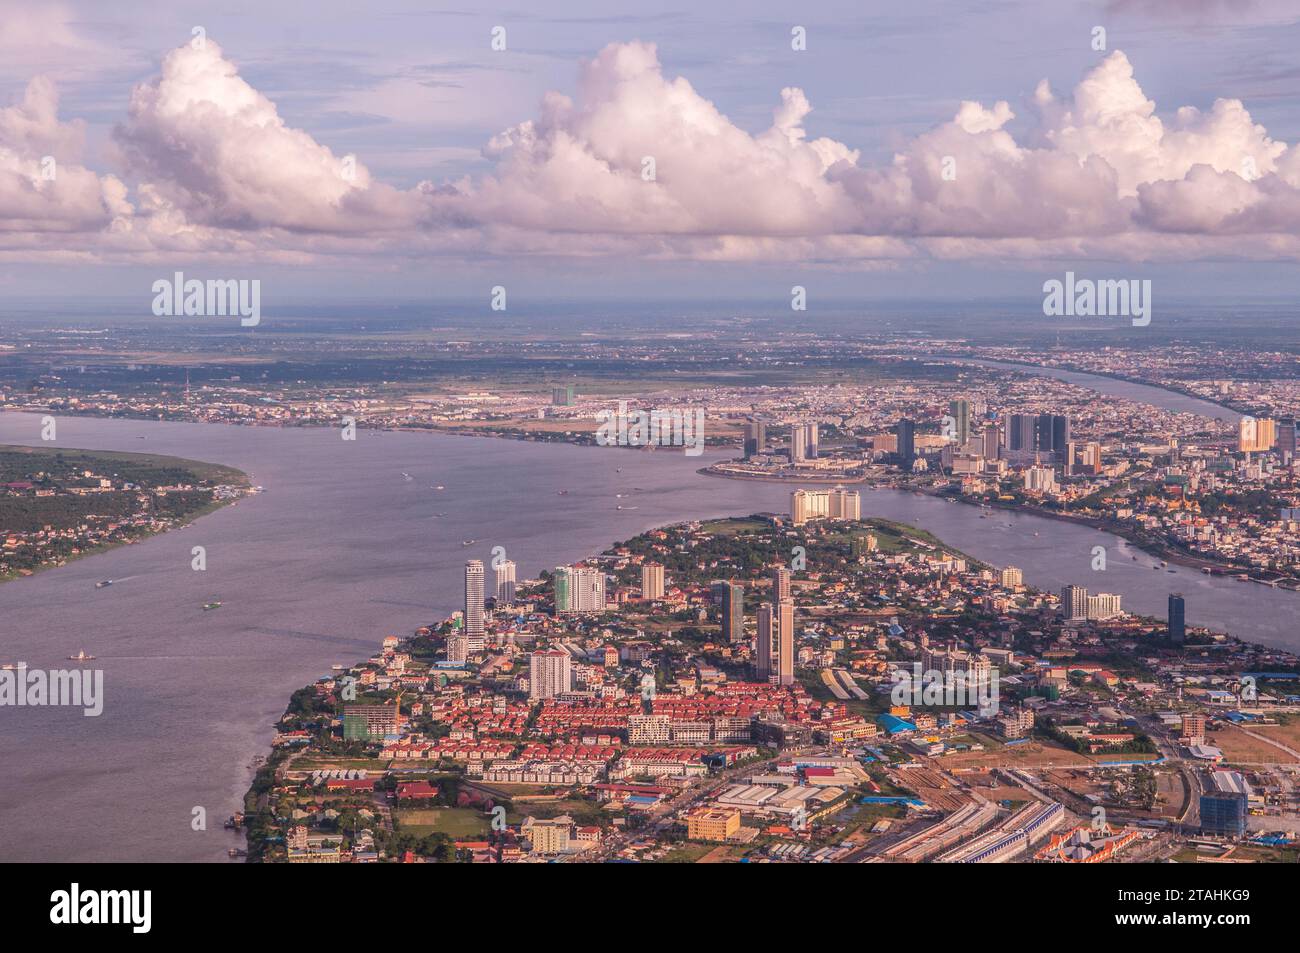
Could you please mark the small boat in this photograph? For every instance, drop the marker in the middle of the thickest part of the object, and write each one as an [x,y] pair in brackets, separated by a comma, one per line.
[562,493]
[468,542]
[440,487]
[81,657]
[1171,570]
[337,667]
[1206,570]
[214,604]
[8,667]
[407,477]
[101,585]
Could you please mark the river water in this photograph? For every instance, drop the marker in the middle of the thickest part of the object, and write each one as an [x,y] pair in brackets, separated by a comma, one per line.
[341,550]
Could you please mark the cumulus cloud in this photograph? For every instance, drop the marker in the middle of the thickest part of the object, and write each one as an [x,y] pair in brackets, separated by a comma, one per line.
[217,151]
[43,188]
[1099,163]
[638,152]
[638,163]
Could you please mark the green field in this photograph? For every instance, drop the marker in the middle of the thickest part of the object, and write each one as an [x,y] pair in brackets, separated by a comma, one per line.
[734,527]
[458,823]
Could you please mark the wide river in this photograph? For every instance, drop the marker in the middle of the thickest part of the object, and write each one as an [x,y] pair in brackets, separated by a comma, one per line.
[343,549]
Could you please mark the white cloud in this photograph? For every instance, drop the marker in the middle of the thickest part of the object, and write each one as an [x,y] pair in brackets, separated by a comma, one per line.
[215,169]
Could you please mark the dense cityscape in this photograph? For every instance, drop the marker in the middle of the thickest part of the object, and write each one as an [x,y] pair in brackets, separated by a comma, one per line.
[605,434]
[700,694]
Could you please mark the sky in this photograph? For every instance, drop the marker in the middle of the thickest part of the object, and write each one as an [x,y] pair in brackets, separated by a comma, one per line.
[405,150]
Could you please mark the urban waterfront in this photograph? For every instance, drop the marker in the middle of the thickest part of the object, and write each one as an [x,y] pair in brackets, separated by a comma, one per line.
[343,549]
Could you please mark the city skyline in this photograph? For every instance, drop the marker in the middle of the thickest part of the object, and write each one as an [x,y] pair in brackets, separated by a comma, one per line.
[599,434]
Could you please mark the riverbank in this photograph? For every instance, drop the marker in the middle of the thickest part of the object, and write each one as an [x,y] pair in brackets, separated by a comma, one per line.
[1157,549]
[71,483]
[717,470]
[1040,370]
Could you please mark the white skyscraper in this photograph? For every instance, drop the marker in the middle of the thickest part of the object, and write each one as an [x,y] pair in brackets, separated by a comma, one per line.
[1104,605]
[798,443]
[775,656]
[474,603]
[836,504]
[548,674]
[579,590]
[505,582]
[652,581]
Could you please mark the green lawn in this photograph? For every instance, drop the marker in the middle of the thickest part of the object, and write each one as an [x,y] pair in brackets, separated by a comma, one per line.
[458,823]
[734,527]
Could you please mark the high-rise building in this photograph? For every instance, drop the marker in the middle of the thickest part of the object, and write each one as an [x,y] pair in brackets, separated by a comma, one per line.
[808,505]
[1074,603]
[1177,619]
[652,581]
[780,584]
[474,602]
[1226,804]
[776,642]
[1087,459]
[905,431]
[730,597]
[505,580]
[563,587]
[579,590]
[798,442]
[563,396]
[755,436]
[1043,433]
[1060,434]
[1256,434]
[1040,480]
[810,439]
[1285,445]
[1019,430]
[1012,577]
[548,674]
[959,410]
[836,504]
[843,504]
[1104,605]
[992,441]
